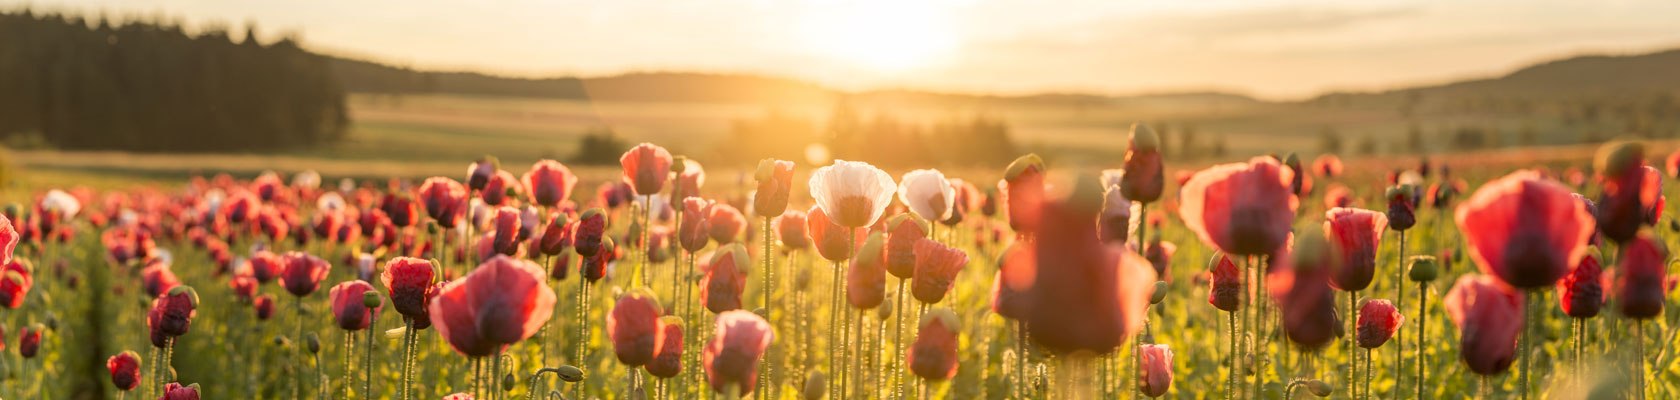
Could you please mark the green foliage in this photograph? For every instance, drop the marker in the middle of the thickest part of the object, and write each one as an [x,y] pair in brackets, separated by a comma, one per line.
[154,87]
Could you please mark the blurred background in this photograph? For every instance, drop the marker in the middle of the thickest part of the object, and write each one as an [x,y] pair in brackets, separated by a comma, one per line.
[118,91]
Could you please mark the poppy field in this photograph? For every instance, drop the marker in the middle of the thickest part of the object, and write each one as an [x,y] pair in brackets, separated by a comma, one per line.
[1271,277]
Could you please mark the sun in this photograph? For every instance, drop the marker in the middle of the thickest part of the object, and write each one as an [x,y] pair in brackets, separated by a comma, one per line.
[882,35]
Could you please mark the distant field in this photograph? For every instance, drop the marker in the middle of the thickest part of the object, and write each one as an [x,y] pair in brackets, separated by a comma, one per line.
[414,136]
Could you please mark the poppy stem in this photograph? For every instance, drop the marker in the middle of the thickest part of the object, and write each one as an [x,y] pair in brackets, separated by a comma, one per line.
[408,359]
[1523,347]
[367,354]
[1423,328]
[1639,350]
[349,354]
[1020,354]
[1231,383]
[1367,390]
[320,378]
[769,289]
[834,348]
[1353,358]
[1400,298]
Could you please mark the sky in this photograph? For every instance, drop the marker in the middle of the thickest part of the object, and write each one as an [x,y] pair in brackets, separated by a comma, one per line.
[1277,49]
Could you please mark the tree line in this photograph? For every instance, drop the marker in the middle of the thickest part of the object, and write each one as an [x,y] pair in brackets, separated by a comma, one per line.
[75,83]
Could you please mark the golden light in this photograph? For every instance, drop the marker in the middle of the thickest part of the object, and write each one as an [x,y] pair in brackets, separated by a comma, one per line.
[882,35]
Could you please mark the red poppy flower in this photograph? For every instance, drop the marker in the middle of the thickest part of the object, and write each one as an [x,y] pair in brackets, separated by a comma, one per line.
[1328,166]
[694,232]
[646,167]
[775,183]
[1525,230]
[266,266]
[633,326]
[444,199]
[264,306]
[1086,296]
[904,230]
[119,242]
[832,239]
[1023,192]
[15,282]
[1160,253]
[593,268]
[1225,289]
[659,244]
[499,303]
[1011,289]
[587,237]
[933,356]
[459,396]
[725,278]
[725,223]
[29,340]
[501,184]
[1242,209]
[1640,284]
[240,206]
[1378,320]
[244,286]
[1581,293]
[171,314]
[790,228]
[667,362]
[1144,178]
[1627,202]
[549,182]
[1489,316]
[174,391]
[302,273]
[400,209]
[347,307]
[273,225]
[125,370]
[690,177]
[1355,234]
[731,357]
[556,236]
[866,280]
[937,266]
[505,239]
[156,278]
[1155,369]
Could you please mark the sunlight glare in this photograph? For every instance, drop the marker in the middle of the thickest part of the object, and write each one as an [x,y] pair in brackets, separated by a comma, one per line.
[882,35]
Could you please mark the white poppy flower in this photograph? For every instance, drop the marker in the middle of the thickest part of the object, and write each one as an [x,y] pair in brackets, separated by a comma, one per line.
[853,193]
[927,193]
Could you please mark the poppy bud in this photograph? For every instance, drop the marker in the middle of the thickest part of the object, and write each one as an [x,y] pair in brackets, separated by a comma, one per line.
[725,278]
[815,387]
[570,373]
[312,342]
[1159,293]
[508,382]
[1319,388]
[1422,269]
[1144,178]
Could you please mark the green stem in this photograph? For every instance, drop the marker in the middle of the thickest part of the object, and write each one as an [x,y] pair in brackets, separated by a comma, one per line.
[1231,382]
[408,359]
[367,368]
[1523,348]
[769,290]
[1423,327]
[1399,296]
[1353,366]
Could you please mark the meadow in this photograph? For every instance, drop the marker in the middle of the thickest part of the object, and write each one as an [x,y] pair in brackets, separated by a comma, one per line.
[93,293]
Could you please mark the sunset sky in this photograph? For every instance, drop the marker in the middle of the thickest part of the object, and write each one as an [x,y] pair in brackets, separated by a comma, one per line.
[1269,48]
